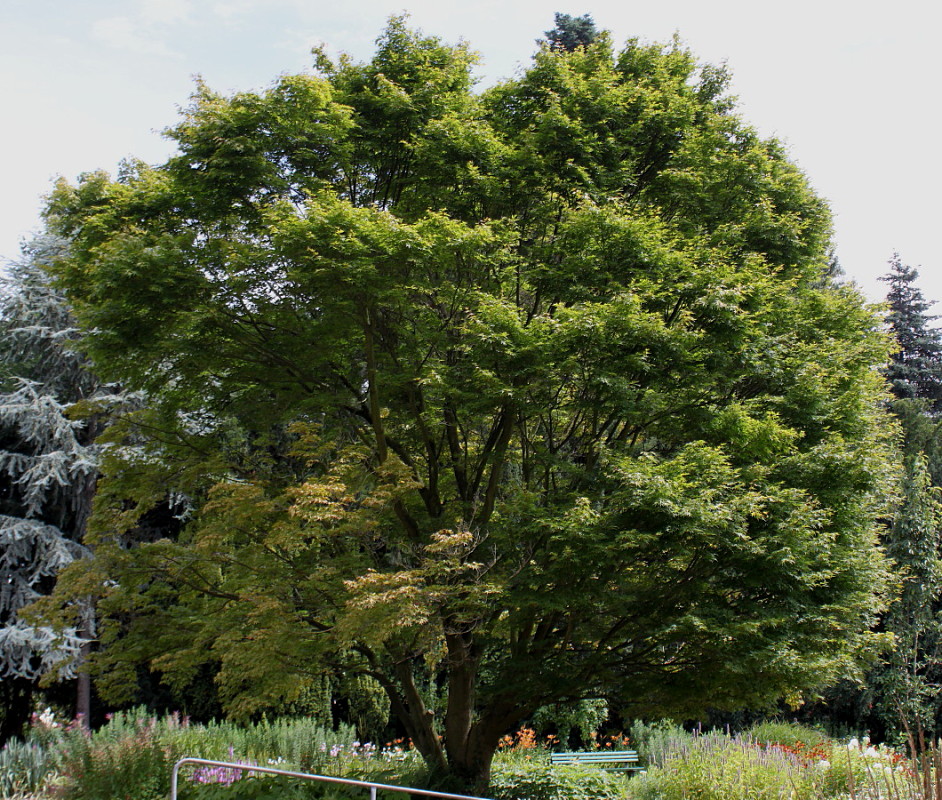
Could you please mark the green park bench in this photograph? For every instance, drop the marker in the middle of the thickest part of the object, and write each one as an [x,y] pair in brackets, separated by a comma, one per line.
[609,760]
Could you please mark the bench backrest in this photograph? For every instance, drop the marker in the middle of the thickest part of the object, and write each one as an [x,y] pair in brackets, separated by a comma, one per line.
[595,757]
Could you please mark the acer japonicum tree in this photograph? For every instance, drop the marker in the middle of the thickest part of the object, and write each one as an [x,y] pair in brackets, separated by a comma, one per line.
[524,397]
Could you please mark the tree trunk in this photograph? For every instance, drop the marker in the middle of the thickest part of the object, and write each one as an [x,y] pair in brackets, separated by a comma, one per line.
[418,719]
[83,694]
[471,745]
[471,763]
[83,691]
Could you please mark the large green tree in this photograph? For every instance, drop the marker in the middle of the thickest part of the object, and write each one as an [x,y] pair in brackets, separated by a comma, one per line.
[521,397]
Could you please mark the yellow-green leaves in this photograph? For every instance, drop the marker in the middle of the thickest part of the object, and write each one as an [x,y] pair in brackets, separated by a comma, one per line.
[539,394]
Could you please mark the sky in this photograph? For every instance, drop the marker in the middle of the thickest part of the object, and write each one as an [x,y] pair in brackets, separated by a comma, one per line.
[851,88]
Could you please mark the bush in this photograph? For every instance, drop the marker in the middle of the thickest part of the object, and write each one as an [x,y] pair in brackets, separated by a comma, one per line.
[655,741]
[125,763]
[717,767]
[132,757]
[583,718]
[517,778]
[23,767]
[269,788]
[790,734]
[301,744]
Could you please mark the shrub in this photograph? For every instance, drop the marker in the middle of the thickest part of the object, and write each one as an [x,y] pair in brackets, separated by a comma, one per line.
[716,767]
[655,741]
[301,744]
[583,717]
[516,778]
[23,767]
[132,757]
[790,734]
[269,788]
[121,763]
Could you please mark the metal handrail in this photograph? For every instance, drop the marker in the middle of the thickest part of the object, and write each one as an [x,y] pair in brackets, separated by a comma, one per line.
[306,776]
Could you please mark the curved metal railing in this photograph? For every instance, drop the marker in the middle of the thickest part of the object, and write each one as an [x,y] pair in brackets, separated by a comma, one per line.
[373,787]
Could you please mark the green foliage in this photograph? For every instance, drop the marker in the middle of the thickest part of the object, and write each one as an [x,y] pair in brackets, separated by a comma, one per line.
[915,371]
[520,398]
[906,683]
[571,32]
[760,764]
[519,779]
[269,788]
[786,733]
[368,706]
[654,741]
[764,764]
[24,767]
[133,755]
[718,767]
[129,765]
[584,718]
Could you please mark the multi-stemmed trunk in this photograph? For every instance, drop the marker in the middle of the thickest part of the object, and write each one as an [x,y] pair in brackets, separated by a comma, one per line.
[466,749]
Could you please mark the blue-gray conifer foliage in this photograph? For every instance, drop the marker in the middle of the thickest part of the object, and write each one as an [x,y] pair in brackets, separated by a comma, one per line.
[47,460]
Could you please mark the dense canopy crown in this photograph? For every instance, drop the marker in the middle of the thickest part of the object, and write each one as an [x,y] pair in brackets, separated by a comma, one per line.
[532,395]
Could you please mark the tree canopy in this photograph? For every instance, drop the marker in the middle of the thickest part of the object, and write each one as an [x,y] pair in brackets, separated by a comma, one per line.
[526,396]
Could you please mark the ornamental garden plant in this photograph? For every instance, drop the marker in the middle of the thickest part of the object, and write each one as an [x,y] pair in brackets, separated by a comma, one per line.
[131,758]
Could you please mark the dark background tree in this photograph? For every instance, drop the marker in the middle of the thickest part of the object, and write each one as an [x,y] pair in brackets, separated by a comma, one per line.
[908,683]
[915,371]
[572,32]
[903,687]
[521,399]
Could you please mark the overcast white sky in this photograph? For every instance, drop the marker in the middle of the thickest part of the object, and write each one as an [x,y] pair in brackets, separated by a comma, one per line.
[851,87]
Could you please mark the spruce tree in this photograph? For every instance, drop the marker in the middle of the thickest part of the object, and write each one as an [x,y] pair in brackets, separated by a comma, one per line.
[571,32]
[905,684]
[47,475]
[915,371]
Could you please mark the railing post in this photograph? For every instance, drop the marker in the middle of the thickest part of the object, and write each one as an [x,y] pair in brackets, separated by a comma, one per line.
[372,793]
[173,780]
